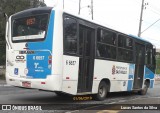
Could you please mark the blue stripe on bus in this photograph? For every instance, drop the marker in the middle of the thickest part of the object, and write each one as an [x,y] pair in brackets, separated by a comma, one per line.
[139,38]
[131,77]
[37,63]
[148,73]
[130,85]
[151,83]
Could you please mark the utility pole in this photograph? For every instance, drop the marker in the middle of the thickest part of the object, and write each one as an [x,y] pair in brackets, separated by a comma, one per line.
[79,7]
[92,8]
[89,6]
[140,22]
[63,4]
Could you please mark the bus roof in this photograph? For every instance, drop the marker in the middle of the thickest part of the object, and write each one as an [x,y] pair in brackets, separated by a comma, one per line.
[139,38]
[32,11]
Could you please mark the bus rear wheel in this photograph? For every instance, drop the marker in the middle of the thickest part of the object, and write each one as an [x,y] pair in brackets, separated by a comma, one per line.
[102,91]
[144,90]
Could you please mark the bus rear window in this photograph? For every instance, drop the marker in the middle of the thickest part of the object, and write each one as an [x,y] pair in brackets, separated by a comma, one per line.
[30,28]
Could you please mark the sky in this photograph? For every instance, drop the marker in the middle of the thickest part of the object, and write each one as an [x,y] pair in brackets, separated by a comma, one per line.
[121,15]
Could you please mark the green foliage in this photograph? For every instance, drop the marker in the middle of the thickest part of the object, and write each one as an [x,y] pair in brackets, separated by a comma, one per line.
[10,7]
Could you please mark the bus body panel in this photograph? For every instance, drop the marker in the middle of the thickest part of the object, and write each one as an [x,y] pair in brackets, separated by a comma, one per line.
[51,83]
[33,56]
[70,74]
[38,64]
[57,48]
[148,74]
[33,65]
[131,77]
[57,44]
[121,75]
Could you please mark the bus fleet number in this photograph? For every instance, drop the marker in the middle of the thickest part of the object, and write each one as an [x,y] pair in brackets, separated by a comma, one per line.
[70,62]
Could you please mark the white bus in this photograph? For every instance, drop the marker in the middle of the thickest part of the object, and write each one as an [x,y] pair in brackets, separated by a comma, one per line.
[52,50]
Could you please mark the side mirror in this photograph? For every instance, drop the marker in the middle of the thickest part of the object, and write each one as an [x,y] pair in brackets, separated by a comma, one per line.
[2,14]
[6,16]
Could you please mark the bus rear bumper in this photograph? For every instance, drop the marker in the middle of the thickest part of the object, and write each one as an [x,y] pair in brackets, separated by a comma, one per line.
[51,83]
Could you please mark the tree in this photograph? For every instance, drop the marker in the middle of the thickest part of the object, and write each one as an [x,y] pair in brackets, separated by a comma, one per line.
[10,7]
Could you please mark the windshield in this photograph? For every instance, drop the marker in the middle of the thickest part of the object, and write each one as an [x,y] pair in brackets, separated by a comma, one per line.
[30,28]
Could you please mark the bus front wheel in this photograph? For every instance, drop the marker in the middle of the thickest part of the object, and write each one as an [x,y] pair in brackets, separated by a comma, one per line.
[102,91]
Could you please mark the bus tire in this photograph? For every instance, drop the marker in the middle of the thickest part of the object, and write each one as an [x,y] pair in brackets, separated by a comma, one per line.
[60,94]
[144,90]
[102,91]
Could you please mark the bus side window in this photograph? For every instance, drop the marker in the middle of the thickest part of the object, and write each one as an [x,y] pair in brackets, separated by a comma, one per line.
[125,48]
[106,43]
[149,56]
[125,42]
[129,43]
[70,35]
[120,41]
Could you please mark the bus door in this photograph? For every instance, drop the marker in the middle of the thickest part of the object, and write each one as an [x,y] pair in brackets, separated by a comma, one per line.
[139,67]
[86,62]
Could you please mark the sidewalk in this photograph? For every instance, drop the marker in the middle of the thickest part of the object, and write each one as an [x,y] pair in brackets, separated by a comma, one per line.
[157,82]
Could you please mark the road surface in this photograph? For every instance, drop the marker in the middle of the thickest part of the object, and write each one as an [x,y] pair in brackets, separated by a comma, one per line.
[13,95]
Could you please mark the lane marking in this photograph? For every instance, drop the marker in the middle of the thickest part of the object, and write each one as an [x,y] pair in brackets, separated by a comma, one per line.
[72,111]
[109,111]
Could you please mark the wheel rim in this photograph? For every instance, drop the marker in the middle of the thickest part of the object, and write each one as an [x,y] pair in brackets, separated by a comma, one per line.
[145,89]
[102,91]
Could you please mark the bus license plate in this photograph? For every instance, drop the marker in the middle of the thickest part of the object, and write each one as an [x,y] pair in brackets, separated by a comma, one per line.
[26,84]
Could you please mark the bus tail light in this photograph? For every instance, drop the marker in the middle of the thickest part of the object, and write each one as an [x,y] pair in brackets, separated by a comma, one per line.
[95,77]
[67,78]
[43,82]
[49,59]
